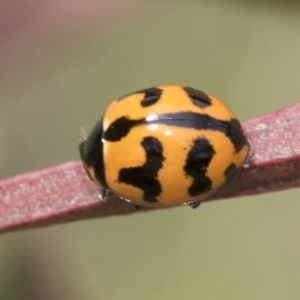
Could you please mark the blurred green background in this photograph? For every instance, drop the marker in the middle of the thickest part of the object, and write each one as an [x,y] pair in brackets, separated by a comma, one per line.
[61,62]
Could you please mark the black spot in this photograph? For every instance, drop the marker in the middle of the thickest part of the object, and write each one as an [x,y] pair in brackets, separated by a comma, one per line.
[91,152]
[236,134]
[120,128]
[199,98]
[196,165]
[145,176]
[152,95]
[230,170]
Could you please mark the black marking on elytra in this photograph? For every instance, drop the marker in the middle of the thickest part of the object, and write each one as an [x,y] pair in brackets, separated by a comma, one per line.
[145,176]
[232,129]
[199,98]
[230,170]
[197,161]
[236,134]
[91,151]
[120,128]
[152,95]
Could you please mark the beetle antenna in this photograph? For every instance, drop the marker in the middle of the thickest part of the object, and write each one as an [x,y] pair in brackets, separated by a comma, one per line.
[83,134]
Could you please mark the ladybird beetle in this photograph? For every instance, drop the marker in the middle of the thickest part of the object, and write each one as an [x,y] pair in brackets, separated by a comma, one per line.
[164,146]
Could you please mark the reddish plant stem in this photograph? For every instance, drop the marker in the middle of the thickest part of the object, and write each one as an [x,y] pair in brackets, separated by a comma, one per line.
[64,193]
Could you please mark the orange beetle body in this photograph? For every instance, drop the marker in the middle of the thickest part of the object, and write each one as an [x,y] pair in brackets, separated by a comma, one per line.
[165,146]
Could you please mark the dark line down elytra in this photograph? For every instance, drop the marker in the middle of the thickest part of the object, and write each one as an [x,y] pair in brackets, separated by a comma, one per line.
[232,129]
